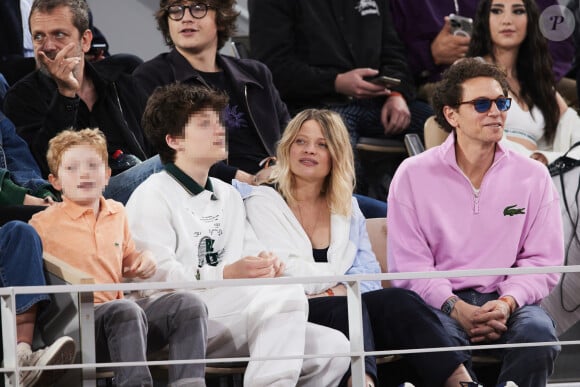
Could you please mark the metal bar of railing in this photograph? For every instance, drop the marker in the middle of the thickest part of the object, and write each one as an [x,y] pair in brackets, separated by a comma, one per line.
[357,353]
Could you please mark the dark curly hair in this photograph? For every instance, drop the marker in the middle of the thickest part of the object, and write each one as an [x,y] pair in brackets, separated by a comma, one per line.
[169,108]
[226,16]
[449,91]
[533,65]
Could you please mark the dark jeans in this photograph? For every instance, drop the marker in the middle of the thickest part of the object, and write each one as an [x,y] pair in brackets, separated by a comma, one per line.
[21,265]
[526,366]
[394,318]
[21,262]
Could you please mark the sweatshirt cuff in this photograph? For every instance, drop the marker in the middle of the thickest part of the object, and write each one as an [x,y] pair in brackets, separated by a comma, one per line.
[516,292]
[438,297]
[11,194]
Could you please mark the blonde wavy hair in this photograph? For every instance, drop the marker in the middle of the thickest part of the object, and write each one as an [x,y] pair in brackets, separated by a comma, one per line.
[69,138]
[339,184]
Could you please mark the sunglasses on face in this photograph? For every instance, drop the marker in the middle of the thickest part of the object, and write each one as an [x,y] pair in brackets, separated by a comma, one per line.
[482,105]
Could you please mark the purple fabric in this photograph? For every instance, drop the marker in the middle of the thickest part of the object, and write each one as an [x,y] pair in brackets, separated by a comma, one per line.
[419,21]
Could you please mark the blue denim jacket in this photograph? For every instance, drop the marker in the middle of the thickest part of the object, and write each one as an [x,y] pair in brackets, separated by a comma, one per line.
[17,161]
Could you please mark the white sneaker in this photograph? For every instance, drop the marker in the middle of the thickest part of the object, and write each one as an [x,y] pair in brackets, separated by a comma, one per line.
[62,351]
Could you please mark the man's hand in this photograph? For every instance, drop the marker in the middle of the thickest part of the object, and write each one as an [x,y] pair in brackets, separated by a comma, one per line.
[61,69]
[463,313]
[143,267]
[352,84]
[395,115]
[446,48]
[244,177]
[485,323]
[263,175]
[539,157]
[490,321]
[265,265]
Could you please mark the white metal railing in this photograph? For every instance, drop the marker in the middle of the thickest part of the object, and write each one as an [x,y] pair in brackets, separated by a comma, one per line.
[357,353]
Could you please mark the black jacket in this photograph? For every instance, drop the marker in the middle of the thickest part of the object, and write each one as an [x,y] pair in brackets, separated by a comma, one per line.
[252,82]
[10,29]
[39,112]
[307,43]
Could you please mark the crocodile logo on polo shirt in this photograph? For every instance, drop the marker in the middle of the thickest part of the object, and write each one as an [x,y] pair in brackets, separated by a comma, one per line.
[512,210]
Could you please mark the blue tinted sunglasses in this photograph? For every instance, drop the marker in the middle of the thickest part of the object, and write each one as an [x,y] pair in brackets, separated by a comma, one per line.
[482,105]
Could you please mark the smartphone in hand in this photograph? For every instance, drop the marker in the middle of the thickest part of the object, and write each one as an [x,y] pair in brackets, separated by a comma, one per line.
[461,25]
[383,80]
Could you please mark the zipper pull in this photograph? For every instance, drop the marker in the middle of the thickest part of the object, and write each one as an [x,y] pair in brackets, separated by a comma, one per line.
[476,202]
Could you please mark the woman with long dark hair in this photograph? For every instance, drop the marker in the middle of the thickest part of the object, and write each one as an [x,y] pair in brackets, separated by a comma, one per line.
[507,33]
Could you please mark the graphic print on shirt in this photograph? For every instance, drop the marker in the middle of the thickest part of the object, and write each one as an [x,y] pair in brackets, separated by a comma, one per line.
[368,7]
[206,247]
[233,118]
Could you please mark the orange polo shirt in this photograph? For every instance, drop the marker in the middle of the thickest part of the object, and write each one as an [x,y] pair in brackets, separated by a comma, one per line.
[100,246]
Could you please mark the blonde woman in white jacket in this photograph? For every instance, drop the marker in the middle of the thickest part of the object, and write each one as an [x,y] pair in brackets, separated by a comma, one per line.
[311,221]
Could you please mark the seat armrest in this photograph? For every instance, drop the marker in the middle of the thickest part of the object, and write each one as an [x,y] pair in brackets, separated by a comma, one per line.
[65,271]
[377,231]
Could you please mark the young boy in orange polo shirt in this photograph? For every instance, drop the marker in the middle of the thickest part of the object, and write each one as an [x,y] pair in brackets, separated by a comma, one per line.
[92,234]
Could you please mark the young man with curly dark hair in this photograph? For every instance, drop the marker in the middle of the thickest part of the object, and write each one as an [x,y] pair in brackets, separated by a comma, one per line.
[255,115]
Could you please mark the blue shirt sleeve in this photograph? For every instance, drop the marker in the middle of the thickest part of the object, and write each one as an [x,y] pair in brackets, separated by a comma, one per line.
[365,261]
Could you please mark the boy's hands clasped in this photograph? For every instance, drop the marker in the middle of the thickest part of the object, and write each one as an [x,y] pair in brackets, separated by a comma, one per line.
[265,265]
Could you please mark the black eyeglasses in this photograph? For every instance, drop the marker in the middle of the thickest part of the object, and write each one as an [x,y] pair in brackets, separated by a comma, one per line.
[482,105]
[198,11]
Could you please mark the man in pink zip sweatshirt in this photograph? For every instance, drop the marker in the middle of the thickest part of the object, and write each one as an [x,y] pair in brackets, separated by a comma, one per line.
[471,204]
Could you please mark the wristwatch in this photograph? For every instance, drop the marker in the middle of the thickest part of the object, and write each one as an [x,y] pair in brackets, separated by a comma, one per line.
[448,305]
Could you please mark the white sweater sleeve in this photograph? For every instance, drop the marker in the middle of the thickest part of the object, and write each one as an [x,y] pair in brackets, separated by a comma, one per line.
[151,224]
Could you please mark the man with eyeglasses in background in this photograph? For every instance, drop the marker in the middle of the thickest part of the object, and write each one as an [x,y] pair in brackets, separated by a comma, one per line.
[255,116]
[472,204]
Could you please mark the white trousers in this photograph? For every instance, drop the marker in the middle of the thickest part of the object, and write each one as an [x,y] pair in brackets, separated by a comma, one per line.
[271,320]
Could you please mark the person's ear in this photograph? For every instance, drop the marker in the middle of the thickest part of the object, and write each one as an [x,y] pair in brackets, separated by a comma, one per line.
[175,143]
[86,40]
[450,115]
[55,181]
